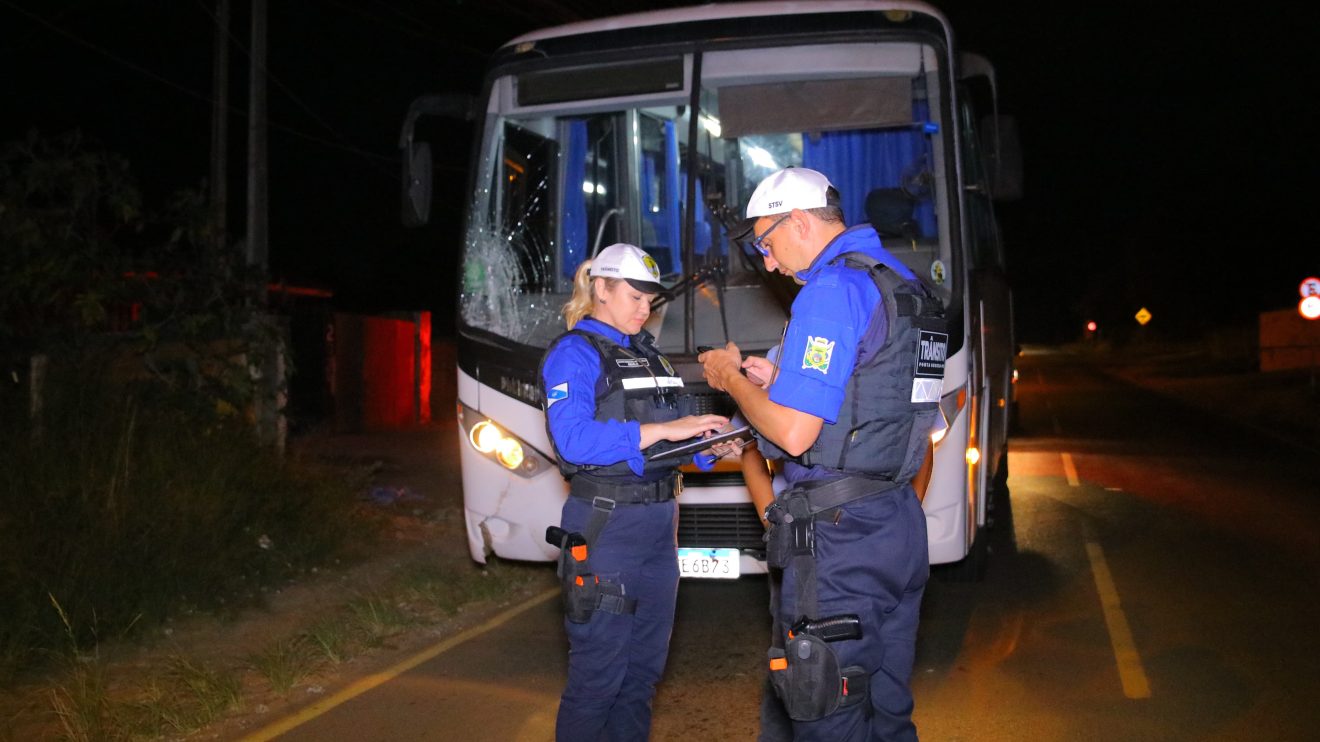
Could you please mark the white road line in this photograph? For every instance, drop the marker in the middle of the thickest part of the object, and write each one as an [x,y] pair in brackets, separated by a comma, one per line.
[1069,470]
[1130,671]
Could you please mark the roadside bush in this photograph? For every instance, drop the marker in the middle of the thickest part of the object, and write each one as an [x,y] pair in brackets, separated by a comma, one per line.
[124,509]
[138,489]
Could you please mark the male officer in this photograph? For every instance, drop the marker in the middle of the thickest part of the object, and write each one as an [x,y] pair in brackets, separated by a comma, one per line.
[851,410]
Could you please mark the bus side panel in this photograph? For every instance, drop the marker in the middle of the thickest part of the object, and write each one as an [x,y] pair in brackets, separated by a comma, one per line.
[949,513]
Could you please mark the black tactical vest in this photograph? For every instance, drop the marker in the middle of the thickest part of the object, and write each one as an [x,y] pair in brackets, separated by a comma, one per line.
[636,385]
[892,398]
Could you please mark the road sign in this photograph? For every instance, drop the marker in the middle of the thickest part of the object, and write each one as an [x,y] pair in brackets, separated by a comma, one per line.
[1309,287]
[1143,316]
[1309,307]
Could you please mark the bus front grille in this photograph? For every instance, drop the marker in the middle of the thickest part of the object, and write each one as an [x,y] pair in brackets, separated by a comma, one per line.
[720,526]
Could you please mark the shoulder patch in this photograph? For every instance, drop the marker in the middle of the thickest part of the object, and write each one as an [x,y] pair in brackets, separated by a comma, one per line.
[816,357]
[556,393]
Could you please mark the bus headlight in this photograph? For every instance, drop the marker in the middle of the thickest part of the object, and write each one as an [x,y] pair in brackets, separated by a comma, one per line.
[485,437]
[510,453]
[501,446]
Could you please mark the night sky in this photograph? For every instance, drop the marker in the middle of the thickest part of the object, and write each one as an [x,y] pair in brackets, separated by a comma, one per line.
[1169,153]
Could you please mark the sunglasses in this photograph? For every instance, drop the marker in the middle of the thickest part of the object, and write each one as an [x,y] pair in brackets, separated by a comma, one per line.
[759,240]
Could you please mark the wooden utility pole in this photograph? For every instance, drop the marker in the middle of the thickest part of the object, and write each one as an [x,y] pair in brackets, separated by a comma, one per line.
[257,222]
[220,126]
[270,361]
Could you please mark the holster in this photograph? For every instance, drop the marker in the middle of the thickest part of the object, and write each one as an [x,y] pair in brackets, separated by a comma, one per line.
[808,680]
[583,592]
[792,530]
[581,588]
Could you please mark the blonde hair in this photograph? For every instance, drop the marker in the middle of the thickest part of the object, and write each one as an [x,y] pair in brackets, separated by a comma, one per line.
[582,301]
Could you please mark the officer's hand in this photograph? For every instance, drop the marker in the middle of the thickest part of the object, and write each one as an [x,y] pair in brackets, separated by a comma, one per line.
[728,448]
[693,425]
[759,370]
[720,365]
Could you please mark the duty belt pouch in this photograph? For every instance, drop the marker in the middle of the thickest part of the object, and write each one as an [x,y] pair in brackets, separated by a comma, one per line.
[581,589]
[805,675]
[792,530]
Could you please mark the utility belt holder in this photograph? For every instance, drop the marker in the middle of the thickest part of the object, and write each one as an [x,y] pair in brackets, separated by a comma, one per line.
[583,592]
[793,514]
[792,530]
[806,675]
[580,588]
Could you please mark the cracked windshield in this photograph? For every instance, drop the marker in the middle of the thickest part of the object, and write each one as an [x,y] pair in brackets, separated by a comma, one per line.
[566,171]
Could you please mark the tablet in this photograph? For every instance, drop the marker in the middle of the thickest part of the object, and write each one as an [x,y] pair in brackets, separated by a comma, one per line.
[701,444]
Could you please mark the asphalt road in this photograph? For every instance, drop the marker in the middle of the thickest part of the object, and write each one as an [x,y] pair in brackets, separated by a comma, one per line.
[1154,577]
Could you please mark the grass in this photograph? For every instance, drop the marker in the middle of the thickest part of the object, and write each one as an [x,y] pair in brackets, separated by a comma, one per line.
[182,695]
[187,696]
[375,618]
[333,637]
[286,662]
[183,698]
[446,591]
[83,708]
[128,508]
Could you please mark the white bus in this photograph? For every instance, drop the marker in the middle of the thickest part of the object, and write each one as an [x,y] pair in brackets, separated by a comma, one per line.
[653,129]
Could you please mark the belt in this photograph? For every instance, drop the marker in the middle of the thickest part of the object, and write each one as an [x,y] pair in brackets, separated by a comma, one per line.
[822,496]
[624,492]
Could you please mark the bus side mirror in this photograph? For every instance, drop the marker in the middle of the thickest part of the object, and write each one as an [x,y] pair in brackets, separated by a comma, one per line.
[416,185]
[416,181]
[1003,153]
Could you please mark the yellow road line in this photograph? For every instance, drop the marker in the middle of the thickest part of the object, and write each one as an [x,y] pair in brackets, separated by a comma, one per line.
[1069,470]
[1130,671]
[371,681]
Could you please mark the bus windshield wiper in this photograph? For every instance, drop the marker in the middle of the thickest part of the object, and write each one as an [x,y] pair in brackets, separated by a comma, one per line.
[730,221]
[697,278]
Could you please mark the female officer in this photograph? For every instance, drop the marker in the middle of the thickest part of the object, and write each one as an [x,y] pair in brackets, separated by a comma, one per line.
[611,402]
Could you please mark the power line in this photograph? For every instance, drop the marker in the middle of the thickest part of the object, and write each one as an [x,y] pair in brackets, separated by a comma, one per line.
[278,83]
[207,99]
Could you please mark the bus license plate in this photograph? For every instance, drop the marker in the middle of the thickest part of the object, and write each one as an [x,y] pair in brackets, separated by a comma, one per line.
[719,564]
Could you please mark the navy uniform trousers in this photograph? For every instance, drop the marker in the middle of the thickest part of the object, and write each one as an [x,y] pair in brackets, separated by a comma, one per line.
[615,661]
[872,560]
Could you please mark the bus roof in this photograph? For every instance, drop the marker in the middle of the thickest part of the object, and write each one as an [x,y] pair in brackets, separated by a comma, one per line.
[721,11]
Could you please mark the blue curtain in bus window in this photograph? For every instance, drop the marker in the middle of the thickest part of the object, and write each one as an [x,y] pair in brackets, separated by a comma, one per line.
[858,161]
[925,212]
[575,200]
[703,222]
[672,213]
[652,226]
[661,218]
